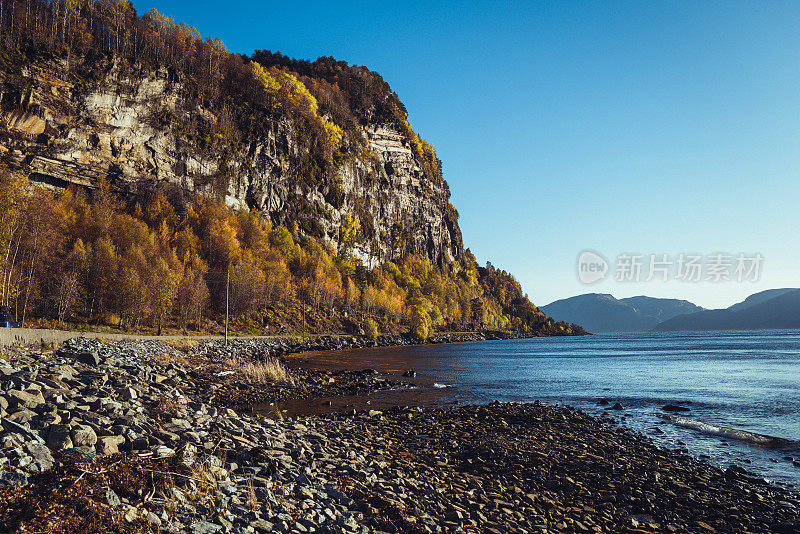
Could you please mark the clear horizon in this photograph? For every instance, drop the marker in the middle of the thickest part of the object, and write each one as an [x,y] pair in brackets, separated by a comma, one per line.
[656,128]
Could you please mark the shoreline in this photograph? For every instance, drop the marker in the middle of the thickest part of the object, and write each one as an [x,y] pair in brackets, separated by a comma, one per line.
[27,336]
[187,464]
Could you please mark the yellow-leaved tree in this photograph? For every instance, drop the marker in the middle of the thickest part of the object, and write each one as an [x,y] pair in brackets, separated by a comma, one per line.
[419,322]
[163,283]
[370,329]
[348,233]
[192,295]
[284,91]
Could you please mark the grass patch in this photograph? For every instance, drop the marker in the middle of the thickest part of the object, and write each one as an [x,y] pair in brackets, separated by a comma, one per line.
[265,371]
[252,498]
[184,344]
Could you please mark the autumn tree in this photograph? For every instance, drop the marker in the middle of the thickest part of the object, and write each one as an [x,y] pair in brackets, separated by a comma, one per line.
[13,204]
[348,233]
[163,283]
[131,289]
[69,283]
[370,328]
[246,286]
[192,295]
[419,322]
[277,278]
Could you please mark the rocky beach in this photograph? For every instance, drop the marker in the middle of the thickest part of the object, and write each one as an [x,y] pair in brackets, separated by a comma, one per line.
[143,436]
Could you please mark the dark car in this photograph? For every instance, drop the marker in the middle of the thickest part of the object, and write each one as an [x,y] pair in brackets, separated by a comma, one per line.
[7,319]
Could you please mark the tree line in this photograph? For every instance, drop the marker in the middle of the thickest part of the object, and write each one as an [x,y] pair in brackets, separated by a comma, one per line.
[166,260]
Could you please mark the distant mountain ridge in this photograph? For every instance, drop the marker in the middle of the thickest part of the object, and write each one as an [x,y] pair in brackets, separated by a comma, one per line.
[601,312]
[777,309]
[661,309]
[758,298]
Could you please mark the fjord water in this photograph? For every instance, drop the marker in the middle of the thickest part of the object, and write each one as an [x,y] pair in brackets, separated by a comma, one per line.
[743,380]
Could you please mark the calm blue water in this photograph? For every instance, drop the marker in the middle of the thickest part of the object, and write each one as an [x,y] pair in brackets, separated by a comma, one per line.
[743,380]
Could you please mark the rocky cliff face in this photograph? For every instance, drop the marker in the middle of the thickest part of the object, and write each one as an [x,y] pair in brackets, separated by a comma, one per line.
[75,122]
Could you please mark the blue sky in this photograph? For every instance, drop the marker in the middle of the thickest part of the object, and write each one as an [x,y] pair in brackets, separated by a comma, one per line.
[639,127]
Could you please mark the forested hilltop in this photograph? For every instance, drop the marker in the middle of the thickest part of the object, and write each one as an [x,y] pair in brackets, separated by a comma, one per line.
[142,166]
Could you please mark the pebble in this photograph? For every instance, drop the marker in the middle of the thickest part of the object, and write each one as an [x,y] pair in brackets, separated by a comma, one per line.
[491,468]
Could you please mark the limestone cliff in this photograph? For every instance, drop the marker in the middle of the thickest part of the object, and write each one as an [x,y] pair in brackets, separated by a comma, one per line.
[76,120]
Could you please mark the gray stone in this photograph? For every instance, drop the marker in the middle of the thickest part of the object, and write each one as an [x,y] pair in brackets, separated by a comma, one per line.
[48,419]
[83,436]
[153,519]
[131,513]
[140,443]
[162,451]
[181,424]
[262,525]
[204,527]
[64,372]
[16,477]
[22,416]
[113,499]
[88,357]
[24,399]
[41,453]
[107,445]
[128,393]
[59,437]
[166,436]
[16,428]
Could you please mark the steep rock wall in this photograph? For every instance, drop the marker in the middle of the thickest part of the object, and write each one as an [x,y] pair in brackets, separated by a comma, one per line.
[75,122]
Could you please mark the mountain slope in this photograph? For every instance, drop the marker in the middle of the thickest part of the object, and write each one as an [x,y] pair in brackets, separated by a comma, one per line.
[598,312]
[306,143]
[661,309]
[758,298]
[171,169]
[771,309]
